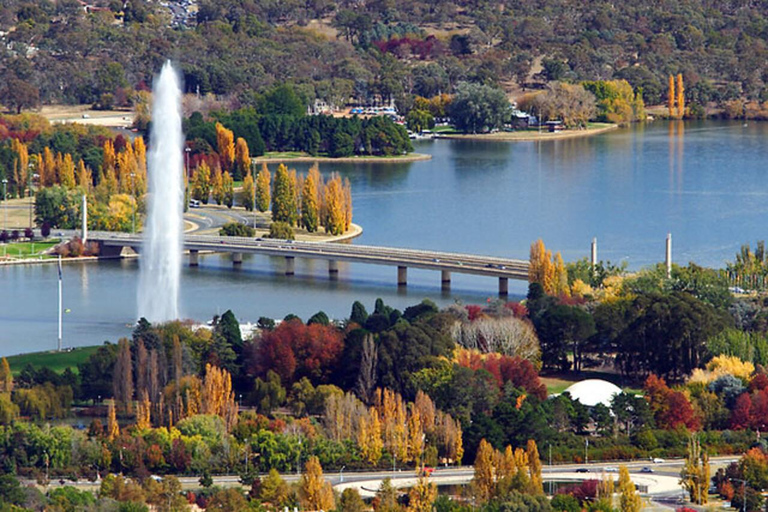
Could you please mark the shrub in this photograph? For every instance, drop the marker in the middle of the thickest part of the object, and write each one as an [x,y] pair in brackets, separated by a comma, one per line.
[45,230]
[29,234]
[4,236]
[15,234]
[281,230]
[236,229]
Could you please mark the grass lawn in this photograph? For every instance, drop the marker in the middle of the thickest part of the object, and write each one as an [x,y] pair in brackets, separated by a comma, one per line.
[27,249]
[56,361]
[284,154]
[557,383]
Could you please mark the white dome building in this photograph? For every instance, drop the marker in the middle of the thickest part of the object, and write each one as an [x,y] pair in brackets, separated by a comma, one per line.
[591,392]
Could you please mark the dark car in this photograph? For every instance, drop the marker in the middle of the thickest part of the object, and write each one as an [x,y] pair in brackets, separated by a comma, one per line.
[582,470]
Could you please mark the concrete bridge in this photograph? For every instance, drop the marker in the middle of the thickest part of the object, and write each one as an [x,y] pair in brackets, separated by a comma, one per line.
[446,263]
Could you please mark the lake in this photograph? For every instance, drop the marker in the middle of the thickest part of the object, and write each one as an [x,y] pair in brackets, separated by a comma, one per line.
[701,181]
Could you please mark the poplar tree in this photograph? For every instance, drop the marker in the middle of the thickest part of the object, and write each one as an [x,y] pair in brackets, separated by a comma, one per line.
[680,96]
[248,192]
[315,493]
[263,184]
[84,176]
[629,499]
[6,377]
[671,97]
[67,172]
[422,496]
[484,482]
[695,474]
[284,197]
[113,429]
[333,198]
[47,168]
[20,166]
[217,187]
[201,183]
[242,159]
[534,468]
[225,141]
[122,379]
[309,204]
[228,189]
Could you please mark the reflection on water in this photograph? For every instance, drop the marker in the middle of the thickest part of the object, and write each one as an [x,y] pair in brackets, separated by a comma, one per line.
[702,181]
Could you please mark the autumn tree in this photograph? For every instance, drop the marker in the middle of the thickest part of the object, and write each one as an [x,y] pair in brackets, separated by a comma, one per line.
[47,168]
[630,499]
[113,429]
[248,192]
[310,201]
[314,492]
[20,166]
[695,474]
[534,468]
[122,380]
[217,186]
[284,208]
[671,97]
[484,481]
[680,96]
[144,412]
[67,172]
[225,144]
[84,176]
[422,496]
[263,184]
[333,199]
[228,189]
[242,159]
[218,396]
[201,183]
[6,377]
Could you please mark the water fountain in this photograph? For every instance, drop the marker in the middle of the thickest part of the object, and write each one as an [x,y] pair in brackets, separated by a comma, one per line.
[160,263]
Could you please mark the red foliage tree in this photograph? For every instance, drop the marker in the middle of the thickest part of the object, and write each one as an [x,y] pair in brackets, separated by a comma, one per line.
[759,411]
[519,310]
[758,382]
[516,370]
[678,412]
[294,350]
[474,311]
[741,415]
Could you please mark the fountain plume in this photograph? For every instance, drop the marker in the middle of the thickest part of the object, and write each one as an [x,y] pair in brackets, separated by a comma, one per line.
[160,263]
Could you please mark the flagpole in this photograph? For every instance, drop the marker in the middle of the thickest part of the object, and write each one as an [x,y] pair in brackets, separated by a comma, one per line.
[60,312]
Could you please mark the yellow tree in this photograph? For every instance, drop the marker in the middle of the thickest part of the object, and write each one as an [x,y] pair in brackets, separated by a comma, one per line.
[536,262]
[228,189]
[201,183]
[315,493]
[309,204]
[225,142]
[347,204]
[263,184]
[416,436]
[629,499]
[484,482]
[218,396]
[333,198]
[140,152]
[47,168]
[113,429]
[422,496]
[695,473]
[550,279]
[6,377]
[109,160]
[67,172]
[84,176]
[561,277]
[20,166]
[671,97]
[242,159]
[534,468]
[680,96]
[248,192]
[374,443]
[144,412]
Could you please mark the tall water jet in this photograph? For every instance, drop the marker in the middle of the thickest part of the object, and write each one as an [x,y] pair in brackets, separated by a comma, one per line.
[160,263]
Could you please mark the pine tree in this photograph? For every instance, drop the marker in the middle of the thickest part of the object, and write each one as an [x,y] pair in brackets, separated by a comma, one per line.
[309,204]
[680,96]
[315,493]
[671,97]
[630,499]
[225,142]
[248,192]
[263,185]
[242,159]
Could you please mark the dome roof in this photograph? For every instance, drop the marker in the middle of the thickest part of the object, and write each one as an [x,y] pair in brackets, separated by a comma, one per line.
[591,392]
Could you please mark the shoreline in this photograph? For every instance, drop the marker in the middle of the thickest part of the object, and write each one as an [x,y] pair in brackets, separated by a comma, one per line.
[530,136]
[410,157]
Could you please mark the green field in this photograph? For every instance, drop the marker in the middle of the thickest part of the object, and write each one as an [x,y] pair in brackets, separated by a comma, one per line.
[28,249]
[558,383]
[56,361]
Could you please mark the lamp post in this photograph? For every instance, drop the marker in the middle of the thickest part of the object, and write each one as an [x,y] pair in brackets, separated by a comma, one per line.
[586,451]
[187,150]
[5,204]
[29,192]
[341,474]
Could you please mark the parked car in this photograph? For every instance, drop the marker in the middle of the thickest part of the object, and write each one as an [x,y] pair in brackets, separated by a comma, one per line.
[658,461]
[611,469]
[646,469]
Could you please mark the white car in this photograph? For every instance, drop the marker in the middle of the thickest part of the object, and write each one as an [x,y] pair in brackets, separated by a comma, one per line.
[658,461]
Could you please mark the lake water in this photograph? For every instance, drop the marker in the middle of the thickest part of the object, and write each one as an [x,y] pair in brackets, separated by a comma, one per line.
[703,182]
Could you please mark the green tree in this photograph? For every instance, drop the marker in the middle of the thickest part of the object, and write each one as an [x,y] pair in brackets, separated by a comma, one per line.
[236,229]
[268,394]
[419,120]
[284,197]
[351,501]
[280,230]
[228,190]
[479,108]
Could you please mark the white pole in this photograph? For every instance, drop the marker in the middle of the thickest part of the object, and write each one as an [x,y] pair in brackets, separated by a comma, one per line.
[85,219]
[668,260]
[60,311]
[594,252]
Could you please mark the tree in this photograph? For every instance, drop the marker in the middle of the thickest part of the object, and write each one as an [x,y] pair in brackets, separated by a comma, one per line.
[228,190]
[19,94]
[248,192]
[6,377]
[680,96]
[263,182]
[314,492]
[242,159]
[671,97]
[227,500]
[201,183]
[350,501]
[225,144]
[122,383]
[284,208]
[310,201]
[217,187]
[630,499]
[534,468]
[479,108]
[280,230]
[422,496]
[484,482]
[236,229]
[695,473]
[569,103]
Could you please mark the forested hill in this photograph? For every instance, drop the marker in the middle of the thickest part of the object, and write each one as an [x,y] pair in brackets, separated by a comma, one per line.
[392,48]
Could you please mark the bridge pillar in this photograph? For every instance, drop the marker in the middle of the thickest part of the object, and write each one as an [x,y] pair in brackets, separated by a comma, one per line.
[237,258]
[193,257]
[333,269]
[503,286]
[289,265]
[402,276]
[445,279]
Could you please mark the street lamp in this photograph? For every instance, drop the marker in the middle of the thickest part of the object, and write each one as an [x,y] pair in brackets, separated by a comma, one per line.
[29,192]
[341,474]
[5,205]
[187,150]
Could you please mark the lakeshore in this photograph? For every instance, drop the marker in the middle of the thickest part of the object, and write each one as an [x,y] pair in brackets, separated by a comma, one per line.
[297,157]
[529,136]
